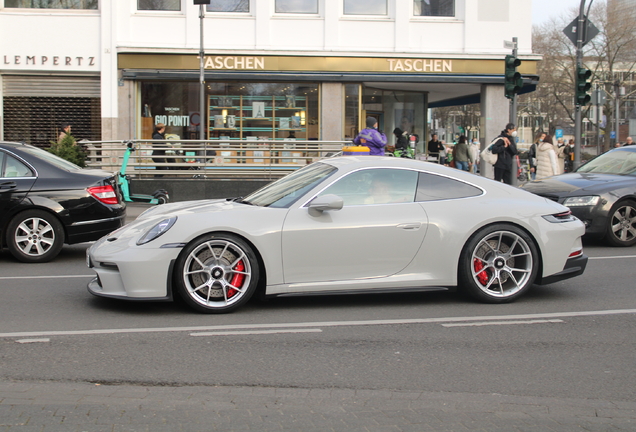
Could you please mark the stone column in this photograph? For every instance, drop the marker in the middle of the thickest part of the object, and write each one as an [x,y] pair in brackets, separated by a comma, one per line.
[332,115]
[494,117]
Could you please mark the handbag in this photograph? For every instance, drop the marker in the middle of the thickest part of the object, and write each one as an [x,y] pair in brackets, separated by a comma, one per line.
[487,154]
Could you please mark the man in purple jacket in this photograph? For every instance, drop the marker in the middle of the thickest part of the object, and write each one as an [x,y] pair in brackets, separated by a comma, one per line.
[372,138]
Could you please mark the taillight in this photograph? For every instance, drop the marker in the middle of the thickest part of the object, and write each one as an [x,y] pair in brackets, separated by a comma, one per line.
[576,253]
[105,194]
[565,216]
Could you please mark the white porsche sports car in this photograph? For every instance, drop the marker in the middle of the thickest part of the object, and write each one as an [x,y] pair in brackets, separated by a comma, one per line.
[345,224]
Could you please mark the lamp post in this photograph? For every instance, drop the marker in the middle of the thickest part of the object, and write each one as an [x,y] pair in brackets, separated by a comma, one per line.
[202,113]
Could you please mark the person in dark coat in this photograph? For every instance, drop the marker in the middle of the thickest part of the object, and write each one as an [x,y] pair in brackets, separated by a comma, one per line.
[160,134]
[435,146]
[505,148]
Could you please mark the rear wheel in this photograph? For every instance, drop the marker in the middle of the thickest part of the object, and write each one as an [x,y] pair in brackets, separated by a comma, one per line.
[35,236]
[217,273]
[621,226]
[498,264]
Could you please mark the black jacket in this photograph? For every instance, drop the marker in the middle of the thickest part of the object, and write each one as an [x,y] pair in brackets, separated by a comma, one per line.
[434,147]
[504,154]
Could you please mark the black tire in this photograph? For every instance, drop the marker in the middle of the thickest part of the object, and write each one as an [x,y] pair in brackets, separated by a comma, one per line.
[162,198]
[621,224]
[228,278]
[498,264]
[35,236]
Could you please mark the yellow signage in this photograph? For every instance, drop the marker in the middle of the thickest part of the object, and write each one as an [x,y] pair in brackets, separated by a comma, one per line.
[320,64]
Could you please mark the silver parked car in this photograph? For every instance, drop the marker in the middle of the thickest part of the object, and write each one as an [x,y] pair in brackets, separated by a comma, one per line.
[346,224]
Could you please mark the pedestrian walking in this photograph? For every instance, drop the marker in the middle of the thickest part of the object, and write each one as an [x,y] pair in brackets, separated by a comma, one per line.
[547,159]
[532,154]
[505,148]
[461,155]
[474,151]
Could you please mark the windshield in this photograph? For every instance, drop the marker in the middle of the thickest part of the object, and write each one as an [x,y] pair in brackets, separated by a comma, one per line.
[50,158]
[613,162]
[284,192]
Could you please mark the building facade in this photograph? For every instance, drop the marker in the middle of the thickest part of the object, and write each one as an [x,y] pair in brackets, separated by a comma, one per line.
[275,69]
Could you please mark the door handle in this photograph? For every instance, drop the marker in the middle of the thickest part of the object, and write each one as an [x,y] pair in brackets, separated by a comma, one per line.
[8,185]
[410,226]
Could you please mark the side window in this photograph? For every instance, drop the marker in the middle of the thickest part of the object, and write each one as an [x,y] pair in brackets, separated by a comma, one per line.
[165,5]
[15,168]
[2,158]
[431,187]
[375,186]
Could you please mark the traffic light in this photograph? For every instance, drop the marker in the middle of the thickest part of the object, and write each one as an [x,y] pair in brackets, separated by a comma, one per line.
[513,80]
[582,86]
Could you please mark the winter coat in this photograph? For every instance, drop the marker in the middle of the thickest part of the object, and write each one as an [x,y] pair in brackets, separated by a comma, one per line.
[547,161]
[435,147]
[373,139]
[560,152]
[461,153]
[504,154]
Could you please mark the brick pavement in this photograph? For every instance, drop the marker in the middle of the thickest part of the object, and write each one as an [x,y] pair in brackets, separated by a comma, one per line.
[53,406]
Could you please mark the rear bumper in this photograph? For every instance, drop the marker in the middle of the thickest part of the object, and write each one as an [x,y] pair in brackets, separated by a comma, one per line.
[573,267]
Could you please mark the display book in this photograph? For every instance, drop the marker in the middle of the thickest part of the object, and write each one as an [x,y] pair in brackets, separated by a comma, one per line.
[276,117]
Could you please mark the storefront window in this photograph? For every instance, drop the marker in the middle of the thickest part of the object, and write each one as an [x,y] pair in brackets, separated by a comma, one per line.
[229,6]
[51,4]
[352,110]
[166,5]
[235,111]
[297,6]
[365,7]
[444,8]
[396,109]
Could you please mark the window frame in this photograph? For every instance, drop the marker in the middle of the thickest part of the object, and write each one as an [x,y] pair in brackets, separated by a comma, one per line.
[164,11]
[250,7]
[4,8]
[453,17]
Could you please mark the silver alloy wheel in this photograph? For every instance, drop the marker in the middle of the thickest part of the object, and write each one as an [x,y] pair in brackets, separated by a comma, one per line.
[501,264]
[623,223]
[217,273]
[34,236]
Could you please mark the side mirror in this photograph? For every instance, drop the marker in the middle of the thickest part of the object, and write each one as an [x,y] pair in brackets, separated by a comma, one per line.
[326,202]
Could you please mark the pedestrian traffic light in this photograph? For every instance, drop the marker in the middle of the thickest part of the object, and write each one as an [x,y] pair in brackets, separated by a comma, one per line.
[582,86]
[513,81]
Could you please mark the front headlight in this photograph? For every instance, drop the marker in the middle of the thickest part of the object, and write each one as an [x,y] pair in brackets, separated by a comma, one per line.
[157,230]
[581,201]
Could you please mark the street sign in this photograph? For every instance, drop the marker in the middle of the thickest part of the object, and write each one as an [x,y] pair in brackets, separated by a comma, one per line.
[571,31]
[612,134]
[558,133]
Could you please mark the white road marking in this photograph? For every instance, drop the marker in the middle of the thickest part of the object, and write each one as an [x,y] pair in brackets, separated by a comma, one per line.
[612,257]
[255,332]
[487,323]
[233,327]
[46,277]
[23,341]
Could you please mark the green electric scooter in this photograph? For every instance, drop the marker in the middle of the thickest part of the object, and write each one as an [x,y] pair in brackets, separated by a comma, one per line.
[160,196]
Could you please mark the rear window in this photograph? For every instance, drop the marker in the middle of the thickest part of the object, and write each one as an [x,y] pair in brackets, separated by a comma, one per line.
[432,187]
[50,158]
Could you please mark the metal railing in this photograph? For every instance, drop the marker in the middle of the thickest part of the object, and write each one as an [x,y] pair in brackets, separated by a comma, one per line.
[209,159]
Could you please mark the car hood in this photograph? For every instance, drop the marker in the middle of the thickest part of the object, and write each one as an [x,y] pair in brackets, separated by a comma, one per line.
[189,207]
[565,184]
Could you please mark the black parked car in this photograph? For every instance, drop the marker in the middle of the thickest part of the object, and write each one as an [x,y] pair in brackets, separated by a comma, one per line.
[46,201]
[602,193]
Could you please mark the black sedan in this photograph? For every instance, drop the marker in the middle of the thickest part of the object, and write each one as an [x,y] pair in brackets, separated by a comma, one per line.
[46,201]
[601,193]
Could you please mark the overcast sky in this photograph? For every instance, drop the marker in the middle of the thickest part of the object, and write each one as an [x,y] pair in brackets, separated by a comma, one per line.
[543,10]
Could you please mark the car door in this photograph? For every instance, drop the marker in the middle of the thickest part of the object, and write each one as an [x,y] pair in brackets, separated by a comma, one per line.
[377,232]
[16,180]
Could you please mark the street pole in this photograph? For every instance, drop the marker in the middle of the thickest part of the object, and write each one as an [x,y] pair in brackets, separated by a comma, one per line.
[616,110]
[512,118]
[597,98]
[202,112]
[580,37]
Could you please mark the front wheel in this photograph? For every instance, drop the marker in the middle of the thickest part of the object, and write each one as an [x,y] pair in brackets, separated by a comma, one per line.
[217,273]
[498,264]
[621,226]
[35,236]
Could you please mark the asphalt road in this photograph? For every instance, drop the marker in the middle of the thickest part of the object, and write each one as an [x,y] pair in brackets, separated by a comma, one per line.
[560,358]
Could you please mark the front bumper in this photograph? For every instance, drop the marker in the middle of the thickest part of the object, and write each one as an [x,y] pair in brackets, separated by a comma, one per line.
[573,267]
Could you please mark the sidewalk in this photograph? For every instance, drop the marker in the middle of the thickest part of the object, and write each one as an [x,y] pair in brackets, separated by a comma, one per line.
[52,406]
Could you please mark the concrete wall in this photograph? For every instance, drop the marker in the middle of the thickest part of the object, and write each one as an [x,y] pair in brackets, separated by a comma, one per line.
[494,117]
[196,189]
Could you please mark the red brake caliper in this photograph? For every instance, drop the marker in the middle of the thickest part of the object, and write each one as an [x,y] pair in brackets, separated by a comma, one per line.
[482,274]
[237,279]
